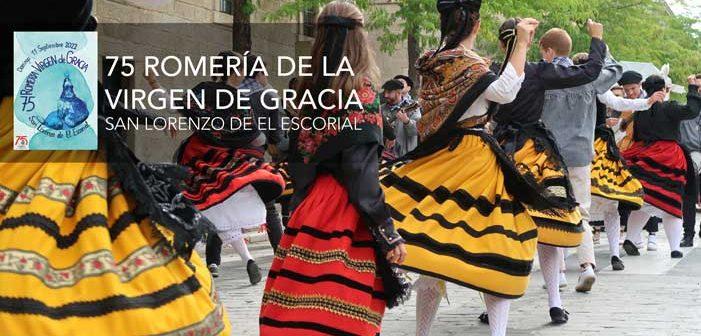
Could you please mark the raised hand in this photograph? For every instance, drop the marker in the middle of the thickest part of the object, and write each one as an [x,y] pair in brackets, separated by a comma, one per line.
[694,80]
[656,97]
[525,30]
[595,29]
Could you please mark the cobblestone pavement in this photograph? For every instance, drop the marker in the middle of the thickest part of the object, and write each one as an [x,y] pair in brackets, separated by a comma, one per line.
[655,295]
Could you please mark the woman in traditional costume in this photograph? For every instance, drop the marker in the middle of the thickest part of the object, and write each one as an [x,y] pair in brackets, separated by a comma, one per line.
[230,182]
[660,163]
[458,198]
[331,274]
[532,147]
[92,243]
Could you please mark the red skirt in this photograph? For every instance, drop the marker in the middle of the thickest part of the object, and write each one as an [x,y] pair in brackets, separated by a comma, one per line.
[324,279]
[661,168]
[219,172]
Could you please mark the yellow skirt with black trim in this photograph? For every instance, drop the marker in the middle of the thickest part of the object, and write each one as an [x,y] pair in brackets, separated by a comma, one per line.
[459,221]
[611,179]
[564,227]
[74,259]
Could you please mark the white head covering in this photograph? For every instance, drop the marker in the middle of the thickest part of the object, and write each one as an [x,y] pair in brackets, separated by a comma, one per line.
[664,73]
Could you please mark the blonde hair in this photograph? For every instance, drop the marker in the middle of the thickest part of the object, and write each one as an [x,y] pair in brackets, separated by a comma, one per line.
[356,48]
[558,40]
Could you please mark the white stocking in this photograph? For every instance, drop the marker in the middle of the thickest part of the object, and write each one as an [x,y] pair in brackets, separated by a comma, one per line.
[550,259]
[498,310]
[241,248]
[612,222]
[673,229]
[429,292]
[636,222]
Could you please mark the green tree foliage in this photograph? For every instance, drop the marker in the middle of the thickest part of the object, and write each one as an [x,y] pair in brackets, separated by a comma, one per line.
[635,30]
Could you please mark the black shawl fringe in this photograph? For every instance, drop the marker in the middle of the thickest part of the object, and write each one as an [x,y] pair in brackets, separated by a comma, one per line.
[155,188]
[396,288]
[605,133]
[513,137]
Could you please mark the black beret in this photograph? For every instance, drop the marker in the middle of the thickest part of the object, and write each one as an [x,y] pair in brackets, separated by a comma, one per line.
[630,77]
[407,79]
[392,85]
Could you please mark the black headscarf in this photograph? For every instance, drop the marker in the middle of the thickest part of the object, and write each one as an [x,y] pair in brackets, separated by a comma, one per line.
[470,5]
[73,15]
[654,84]
[336,29]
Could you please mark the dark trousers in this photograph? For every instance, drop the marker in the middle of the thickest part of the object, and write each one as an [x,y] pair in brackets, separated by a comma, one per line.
[285,207]
[213,250]
[689,209]
[653,225]
[274,224]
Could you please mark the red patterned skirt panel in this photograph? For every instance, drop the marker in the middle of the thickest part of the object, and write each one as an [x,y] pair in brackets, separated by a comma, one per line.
[219,172]
[324,278]
[661,168]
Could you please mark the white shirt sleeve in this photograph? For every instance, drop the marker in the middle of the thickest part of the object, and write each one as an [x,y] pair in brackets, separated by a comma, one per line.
[501,91]
[505,89]
[621,104]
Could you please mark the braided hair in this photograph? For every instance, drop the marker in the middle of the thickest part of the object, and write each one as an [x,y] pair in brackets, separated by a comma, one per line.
[507,36]
[458,19]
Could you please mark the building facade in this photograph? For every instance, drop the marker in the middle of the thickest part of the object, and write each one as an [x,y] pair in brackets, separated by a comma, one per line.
[202,27]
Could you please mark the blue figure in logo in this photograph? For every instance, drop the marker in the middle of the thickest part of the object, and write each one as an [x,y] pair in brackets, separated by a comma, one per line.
[70,111]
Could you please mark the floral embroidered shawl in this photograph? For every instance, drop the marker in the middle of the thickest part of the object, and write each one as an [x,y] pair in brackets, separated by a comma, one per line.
[315,145]
[450,78]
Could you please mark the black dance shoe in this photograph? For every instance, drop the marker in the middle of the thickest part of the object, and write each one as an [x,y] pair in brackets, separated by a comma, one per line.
[253,272]
[484,318]
[214,269]
[559,315]
[617,264]
[687,241]
[630,248]
[677,254]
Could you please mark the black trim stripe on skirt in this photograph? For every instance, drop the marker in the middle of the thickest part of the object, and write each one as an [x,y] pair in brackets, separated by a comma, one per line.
[458,282]
[461,197]
[484,260]
[316,233]
[664,183]
[52,229]
[335,278]
[101,307]
[558,225]
[445,223]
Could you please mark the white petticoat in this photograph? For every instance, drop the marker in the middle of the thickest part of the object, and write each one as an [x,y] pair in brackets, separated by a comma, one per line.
[654,211]
[243,210]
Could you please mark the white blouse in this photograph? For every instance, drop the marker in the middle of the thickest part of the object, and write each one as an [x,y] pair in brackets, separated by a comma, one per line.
[622,104]
[501,91]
